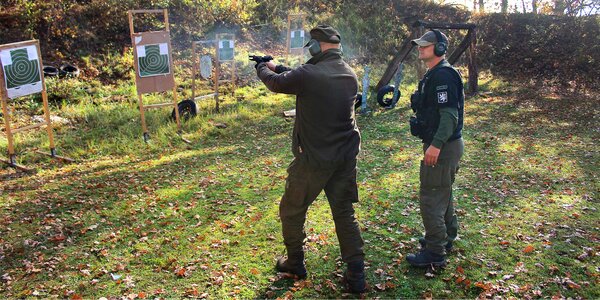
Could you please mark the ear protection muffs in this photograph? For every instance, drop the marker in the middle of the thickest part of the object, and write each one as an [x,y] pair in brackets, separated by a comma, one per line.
[441,46]
[314,47]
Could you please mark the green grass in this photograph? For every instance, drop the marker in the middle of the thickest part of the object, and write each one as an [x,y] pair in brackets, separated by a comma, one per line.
[170,219]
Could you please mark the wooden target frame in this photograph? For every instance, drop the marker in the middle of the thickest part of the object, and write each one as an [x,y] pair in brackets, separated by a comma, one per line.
[4,97]
[200,45]
[153,83]
[218,62]
[469,43]
[294,18]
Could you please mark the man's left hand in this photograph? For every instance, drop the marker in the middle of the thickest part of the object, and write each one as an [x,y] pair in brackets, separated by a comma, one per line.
[431,155]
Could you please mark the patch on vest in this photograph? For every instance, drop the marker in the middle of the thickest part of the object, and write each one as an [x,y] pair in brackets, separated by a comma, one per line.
[441,87]
[442,97]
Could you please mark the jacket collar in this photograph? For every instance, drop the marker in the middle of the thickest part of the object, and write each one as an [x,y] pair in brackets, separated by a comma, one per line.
[327,55]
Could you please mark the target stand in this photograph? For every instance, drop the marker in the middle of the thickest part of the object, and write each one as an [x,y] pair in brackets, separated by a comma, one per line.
[153,64]
[225,47]
[21,75]
[295,34]
[203,65]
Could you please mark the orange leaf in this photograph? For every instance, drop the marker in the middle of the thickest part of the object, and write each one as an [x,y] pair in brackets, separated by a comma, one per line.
[460,270]
[142,295]
[254,271]
[467,283]
[76,297]
[504,243]
[528,249]
[481,285]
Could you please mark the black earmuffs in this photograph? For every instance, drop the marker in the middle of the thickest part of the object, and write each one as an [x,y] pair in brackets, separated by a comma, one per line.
[314,47]
[441,46]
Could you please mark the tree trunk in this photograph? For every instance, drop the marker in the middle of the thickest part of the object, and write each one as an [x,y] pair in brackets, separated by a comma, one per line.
[481,6]
[524,7]
[534,6]
[504,6]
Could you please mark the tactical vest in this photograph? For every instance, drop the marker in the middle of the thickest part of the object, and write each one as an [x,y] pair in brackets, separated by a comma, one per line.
[427,117]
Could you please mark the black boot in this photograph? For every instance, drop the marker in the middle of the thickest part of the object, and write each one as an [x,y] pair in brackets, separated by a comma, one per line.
[294,264]
[423,242]
[354,277]
[426,258]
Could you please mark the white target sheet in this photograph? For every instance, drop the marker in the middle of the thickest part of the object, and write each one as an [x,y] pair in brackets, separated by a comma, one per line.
[21,68]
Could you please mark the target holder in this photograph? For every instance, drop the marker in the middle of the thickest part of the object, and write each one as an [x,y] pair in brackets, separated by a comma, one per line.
[209,47]
[153,62]
[21,75]
[295,34]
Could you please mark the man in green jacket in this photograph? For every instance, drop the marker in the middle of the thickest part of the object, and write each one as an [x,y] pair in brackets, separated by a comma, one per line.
[325,143]
[439,107]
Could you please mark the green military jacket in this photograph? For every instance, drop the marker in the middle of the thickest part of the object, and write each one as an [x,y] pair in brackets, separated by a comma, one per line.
[325,131]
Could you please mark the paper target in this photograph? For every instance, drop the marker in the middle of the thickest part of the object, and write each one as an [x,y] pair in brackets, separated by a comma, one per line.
[205,66]
[225,50]
[21,68]
[153,60]
[297,39]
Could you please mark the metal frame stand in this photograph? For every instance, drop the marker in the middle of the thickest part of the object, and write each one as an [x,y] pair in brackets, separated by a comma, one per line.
[218,80]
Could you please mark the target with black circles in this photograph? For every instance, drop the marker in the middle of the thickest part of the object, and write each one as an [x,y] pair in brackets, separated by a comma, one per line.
[153,60]
[21,68]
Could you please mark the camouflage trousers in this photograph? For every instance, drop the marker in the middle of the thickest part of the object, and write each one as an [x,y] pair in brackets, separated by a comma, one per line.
[435,196]
[303,184]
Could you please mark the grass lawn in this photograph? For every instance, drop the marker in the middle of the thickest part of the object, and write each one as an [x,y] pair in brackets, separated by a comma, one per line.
[174,220]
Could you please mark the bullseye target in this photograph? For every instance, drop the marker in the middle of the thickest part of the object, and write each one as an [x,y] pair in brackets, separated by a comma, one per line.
[297,39]
[153,60]
[21,68]
[226,51]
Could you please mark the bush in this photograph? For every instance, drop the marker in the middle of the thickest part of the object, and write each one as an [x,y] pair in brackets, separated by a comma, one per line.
[544,49]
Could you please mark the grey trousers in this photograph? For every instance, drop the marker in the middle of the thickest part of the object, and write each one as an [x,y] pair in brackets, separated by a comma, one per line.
[303,184]
[435,196]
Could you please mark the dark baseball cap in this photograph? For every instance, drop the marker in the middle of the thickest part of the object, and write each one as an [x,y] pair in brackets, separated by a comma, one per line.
[428,38]
[325,33]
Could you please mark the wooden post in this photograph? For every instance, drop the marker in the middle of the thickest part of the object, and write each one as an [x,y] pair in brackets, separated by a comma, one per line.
[143,115]
[405,49]
[288,39]
[9,136]
[233,76]
[176,109]
[195,69]
[473,70]
[466,42]
[47,110]
[419,64]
